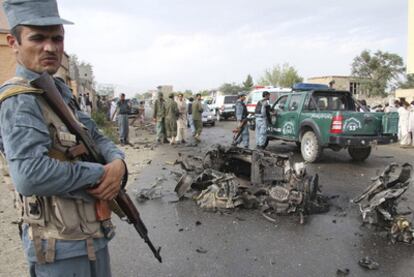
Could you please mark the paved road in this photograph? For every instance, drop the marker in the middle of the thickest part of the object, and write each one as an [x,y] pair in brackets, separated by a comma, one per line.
[243,243]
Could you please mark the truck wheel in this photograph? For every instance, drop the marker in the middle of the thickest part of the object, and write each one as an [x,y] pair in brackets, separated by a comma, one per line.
[310,147]
[359,153]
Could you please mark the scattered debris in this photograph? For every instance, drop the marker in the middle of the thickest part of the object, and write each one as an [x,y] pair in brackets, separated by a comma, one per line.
[201,250]
[198,223]
[342,272]
[368,263]
[230,177]
[379,203]
[151,193]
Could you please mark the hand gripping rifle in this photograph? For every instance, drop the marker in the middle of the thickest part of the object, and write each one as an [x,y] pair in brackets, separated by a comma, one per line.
[122,204]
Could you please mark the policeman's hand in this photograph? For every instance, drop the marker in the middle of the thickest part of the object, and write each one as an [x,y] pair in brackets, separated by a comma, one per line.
[110,182]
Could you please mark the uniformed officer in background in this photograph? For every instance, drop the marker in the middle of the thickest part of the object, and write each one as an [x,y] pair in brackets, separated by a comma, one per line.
[159,118]
[60,233]
[171,116]
[263,120]
[123,108]
[197,110]
[241,116]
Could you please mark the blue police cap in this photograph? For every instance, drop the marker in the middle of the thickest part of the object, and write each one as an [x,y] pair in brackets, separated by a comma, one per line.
[33,12]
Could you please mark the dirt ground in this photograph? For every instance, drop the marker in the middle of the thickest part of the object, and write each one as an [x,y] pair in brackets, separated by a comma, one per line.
[12,260]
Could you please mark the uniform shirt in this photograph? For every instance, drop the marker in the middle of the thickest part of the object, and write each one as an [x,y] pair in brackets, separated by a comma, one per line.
[197,110]
[263,110]
[171,109]
[241,110]
[25,138]
[123,106]
[159,109]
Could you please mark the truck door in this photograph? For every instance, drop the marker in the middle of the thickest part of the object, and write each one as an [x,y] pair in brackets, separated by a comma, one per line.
[287,113]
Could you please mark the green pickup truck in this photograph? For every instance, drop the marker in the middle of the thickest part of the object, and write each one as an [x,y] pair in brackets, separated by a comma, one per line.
[326,118]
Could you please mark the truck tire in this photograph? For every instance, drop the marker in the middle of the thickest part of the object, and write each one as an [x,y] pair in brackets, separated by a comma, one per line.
[359,153]
[310,147]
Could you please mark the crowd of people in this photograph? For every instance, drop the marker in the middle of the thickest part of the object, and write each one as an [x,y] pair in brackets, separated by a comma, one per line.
[172,115]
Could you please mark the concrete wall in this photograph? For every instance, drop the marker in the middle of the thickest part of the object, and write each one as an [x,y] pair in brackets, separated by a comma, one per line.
[410,55]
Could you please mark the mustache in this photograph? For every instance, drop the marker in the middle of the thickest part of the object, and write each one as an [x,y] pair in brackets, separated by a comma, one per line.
[49,56]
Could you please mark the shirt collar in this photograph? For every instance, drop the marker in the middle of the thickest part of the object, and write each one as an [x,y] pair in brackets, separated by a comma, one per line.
[25,73]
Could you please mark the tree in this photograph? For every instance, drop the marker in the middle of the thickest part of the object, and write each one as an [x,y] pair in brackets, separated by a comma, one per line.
[232,88]
[280,76]
[380,71]
[248,84]
[408,82]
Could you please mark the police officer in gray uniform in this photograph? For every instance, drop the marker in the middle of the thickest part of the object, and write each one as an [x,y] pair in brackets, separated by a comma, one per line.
[60,232]
[263,120]
[241,114]
[122,109]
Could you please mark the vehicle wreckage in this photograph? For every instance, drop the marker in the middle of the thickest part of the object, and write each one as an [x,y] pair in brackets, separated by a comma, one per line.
[231,177]
[379,203]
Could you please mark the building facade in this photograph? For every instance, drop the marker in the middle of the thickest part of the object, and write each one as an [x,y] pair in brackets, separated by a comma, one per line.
[348,83]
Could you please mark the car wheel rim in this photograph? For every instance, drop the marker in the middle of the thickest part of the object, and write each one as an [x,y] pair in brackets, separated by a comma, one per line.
[308,148]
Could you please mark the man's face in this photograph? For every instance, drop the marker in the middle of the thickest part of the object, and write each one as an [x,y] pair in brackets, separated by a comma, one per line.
[122,97]
[180,97]
[41,48]
[243,98]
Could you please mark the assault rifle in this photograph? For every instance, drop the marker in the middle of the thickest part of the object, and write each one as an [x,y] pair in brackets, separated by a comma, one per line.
[239,130]
[122,205]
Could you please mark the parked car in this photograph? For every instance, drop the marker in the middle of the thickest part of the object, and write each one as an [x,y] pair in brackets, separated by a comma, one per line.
[320,118]
[224,106]
[208,116]
[257,94]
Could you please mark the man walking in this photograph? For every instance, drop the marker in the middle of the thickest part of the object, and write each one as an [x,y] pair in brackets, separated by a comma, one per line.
[122,109]
[263,120]
[60,232]
[197,110]
[241,117]
[171,116]
[190,115]
[159,118]
[182,118]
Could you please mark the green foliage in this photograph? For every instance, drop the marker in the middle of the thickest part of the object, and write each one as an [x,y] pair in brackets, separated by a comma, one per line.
[105,126]
[232,89]
[99,118]
[408,82]
[280,76]
[379,71]
[248,84]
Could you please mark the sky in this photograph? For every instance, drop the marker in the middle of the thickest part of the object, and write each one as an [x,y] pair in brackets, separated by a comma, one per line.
[197,45]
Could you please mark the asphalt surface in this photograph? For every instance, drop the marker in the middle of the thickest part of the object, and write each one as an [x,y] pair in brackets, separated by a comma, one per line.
[243,243]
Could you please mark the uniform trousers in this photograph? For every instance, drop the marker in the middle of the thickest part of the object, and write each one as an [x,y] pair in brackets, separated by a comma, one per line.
[261,131]
[160,129]
[171,127]
[77,266]
[198,125]
[123,127]
[244,137]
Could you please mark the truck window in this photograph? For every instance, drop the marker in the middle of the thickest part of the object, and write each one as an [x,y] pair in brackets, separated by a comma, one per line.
[328,102]
[230,99]
[294,102]
[280,104]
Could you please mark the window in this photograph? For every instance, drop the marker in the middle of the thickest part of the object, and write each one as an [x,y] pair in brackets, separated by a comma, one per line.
[294,102]
[230,99]
[280,104]
[328,102]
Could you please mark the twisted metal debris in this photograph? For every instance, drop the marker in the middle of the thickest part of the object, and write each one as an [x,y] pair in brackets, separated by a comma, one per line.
[230,177]
[379,202]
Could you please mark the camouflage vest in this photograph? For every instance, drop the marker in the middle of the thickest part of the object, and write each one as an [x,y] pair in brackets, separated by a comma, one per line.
[53,218]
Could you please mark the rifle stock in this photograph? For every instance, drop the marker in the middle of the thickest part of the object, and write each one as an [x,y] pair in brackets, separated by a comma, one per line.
[53,97]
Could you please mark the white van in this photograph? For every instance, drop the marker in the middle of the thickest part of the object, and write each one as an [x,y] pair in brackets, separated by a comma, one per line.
[257,94]
[224,106]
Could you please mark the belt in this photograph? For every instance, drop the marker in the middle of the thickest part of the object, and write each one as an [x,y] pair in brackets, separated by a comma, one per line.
[261,116]
[123,113]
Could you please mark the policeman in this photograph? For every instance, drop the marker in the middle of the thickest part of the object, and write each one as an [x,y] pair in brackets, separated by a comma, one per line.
[123,108]
[263,120]
[171,116]
[241,117]
[197,110]
[159,118]
[60,233]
